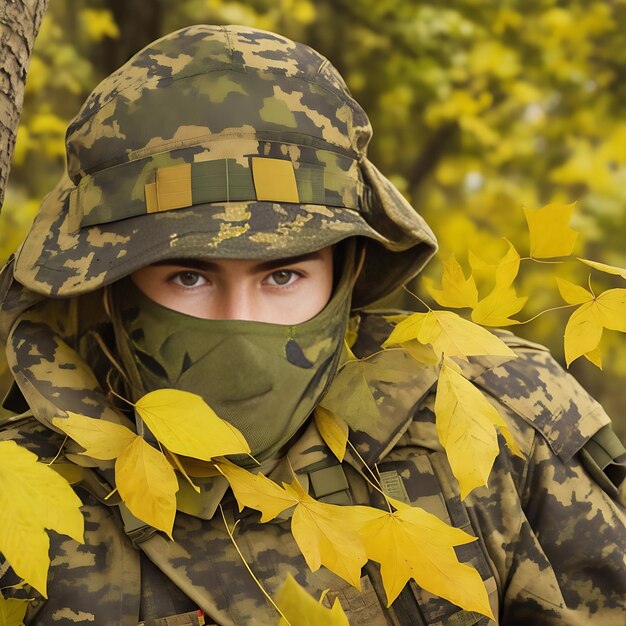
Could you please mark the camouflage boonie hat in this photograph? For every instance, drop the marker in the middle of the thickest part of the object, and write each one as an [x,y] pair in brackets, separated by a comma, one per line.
[224,142]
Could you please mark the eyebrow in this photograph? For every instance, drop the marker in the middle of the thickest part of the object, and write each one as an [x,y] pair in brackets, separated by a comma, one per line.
[202,264]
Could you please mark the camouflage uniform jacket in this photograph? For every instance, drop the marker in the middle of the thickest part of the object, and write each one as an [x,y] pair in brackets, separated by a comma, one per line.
[551,531]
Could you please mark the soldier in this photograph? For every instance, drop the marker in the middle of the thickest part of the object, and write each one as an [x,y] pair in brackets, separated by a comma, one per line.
[219,230]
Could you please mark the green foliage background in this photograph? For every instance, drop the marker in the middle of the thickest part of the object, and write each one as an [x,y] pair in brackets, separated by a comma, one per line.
[479,107]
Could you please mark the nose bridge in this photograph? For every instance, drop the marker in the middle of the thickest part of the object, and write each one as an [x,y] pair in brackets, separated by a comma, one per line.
[236,301]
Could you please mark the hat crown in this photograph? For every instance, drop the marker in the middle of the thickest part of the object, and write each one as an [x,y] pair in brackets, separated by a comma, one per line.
[206,84]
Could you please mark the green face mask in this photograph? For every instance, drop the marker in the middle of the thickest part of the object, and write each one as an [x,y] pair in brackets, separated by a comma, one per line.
[265,379]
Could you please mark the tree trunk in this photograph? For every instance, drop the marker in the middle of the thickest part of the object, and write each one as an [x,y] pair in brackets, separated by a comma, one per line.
[19,24]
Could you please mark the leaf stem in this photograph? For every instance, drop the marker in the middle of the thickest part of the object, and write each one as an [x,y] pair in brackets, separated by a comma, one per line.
[243,560]
[117,395]
[540,261]
[590,287]
[554,308]
[58,454]
[376,485]
[415,296]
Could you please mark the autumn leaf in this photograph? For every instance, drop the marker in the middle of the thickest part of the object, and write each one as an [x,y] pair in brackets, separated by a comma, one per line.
[583,332]
[550,234]
[13,611]
[586,324]
[147,484]
[496,309]
[456,291]
[256,491]
[185,424]
[421,353]
[325,534]
[466,424]
[101,439]
[507,268]
[71,472]
[594,357]
[603,267]
[301,609]
[572,293]
[449,334]
[350,396]
[194,468]
[334,431]
[33,498]
[412,543]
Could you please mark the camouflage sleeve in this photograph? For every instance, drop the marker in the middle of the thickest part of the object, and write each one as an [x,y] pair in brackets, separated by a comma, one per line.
[565,564]
[96,582]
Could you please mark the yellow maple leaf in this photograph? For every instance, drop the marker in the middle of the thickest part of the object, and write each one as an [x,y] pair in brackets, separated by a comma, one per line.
[466,424]
[456,291]
[101,439]
[583,332]
[185,424]
[326,535]
[595,357]
[507,268]
[350,396]
[13,611]
[421,353]
[496,309]
[256,491]
[449,334]
[147,484]
[412,543]
[70,471]
[586,324]
[334,431]
[33,498]
[572,293]
[603,267]
[301,609]
[550,234]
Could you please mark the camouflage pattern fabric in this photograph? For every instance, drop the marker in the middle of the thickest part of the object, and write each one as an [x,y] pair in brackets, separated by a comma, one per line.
[551,540]
[219,141]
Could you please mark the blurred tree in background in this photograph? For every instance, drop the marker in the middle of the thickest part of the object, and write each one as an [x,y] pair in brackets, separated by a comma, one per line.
[479,107]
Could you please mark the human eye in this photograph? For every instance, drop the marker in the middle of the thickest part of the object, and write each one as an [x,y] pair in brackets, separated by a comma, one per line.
[283,278]
[188,279]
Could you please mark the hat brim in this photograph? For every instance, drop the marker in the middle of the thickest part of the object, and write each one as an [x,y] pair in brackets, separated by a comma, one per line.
[56,261]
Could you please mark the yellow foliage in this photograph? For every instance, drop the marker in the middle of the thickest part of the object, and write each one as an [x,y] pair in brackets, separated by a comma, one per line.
[101,439]
[98,24]
[147,484]
[256,491]
[466,424]
[456,290]
[185,424]
[301,609]
[496,308]
[550,234]
[595,313]
[448,334]
[33,498]
[12,611]
[603,267]
[411,543]
[334,431]
[325,535]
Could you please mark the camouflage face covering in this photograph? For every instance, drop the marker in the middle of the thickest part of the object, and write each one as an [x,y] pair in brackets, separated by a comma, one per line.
[265,379]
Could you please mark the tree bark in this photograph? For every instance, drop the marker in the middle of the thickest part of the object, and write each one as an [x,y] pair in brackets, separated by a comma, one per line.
[19,24]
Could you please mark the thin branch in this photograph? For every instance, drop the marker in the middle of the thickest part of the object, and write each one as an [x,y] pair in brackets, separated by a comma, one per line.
[243,560]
